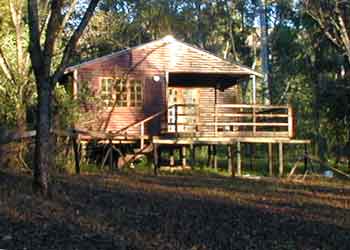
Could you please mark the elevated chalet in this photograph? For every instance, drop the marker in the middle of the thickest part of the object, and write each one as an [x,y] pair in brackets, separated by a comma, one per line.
[170,92]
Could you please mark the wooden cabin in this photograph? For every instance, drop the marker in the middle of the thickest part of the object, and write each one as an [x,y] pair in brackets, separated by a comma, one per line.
[167,92]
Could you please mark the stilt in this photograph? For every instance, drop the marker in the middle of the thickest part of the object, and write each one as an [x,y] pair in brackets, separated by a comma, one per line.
[83,152]
[76,154]
[155,158]
[183,156]
[193,155]
[253,156]
[209,156]
[239,173]
[111,163]
[229,158]
[270,152]
[232,153]
[280,169]
[305,158]
[172,159]
[215,158]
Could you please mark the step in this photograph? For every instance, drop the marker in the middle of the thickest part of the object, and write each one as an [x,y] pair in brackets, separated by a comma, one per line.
[126,159]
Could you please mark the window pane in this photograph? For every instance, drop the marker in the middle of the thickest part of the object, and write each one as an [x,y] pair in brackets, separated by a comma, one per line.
[135,93]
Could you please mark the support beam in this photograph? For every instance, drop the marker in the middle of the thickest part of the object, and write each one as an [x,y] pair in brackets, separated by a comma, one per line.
[270,153]
[239,172]
[76,153]
[193,155]
[215,158]
[232,153]
[111,160]
[254,89]
[83,152]
[183,156]
[155,158]
[172,158]
[305,157]
[229,158]
[280,169]
[209,164]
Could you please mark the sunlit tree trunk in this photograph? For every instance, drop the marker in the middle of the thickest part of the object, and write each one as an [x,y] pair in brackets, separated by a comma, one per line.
[42,55]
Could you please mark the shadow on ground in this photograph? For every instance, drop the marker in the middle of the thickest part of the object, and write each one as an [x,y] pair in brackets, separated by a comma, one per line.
[169,212]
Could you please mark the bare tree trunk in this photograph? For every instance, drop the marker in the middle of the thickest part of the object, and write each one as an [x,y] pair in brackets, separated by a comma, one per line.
[47,75]
[42,144]
[267,92]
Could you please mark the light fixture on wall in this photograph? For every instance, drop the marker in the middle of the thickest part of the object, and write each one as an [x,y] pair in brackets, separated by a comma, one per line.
[156,78]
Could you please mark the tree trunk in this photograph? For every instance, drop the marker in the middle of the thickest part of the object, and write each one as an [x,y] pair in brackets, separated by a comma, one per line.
[267,92]
[43,139]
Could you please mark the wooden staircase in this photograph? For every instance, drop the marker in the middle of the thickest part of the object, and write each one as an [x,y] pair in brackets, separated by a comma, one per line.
[146,146]
[129,159]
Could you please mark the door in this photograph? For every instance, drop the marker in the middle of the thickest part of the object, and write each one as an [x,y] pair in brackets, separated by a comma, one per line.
[184,102]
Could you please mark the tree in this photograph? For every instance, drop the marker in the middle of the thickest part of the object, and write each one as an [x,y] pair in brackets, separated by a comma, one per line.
[333,19]
[15,67]
[42,55]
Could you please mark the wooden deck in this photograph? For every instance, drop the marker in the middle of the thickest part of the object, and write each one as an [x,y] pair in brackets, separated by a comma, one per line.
[230,120]
[225,140]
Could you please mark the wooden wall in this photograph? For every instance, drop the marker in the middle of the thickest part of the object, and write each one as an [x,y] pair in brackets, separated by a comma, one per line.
[156,58]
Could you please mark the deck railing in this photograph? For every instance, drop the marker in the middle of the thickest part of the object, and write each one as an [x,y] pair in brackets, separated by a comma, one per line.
[240,120]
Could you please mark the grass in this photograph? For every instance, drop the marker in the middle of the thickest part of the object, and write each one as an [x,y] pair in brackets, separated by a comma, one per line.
[136,210]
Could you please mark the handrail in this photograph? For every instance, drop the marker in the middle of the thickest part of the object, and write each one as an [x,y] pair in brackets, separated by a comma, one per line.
[252,106]
[151,117]
[262,119]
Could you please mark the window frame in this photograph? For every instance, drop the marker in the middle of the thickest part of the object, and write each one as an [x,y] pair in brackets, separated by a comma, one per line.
[138,103]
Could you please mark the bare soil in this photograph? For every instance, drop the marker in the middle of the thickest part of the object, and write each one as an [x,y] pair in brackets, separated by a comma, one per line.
[134,211]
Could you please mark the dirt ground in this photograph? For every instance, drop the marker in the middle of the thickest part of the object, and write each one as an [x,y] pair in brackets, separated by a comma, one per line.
[134,211]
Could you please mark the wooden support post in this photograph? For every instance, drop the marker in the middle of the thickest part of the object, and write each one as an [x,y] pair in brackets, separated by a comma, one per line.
[215,112]
[209,156]
[76,152]
[254,121]
[232,153]
[142,142]
[176,127]
[229,158]
[193,155]
[171,159]
[270,152]
[280,169]
[215,158]
[290,122]
[155,158]
[111,159]
[183,156]
[239,172]
[254,102]
[305,157]
[84,156]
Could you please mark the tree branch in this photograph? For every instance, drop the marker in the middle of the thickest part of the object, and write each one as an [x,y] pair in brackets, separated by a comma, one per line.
[74,39]
[6,68]
[52,30]
[34,36]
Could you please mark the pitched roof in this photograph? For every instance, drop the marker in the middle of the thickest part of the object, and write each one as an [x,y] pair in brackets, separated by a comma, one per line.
[183,57]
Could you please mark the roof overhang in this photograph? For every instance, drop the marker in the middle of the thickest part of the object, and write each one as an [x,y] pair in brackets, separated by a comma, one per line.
[198,79]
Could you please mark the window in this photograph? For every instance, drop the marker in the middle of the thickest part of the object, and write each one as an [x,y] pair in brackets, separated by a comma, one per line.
[107,91]
[135,87]
[123,93]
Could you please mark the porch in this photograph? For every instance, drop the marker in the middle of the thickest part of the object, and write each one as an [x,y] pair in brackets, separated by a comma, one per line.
[229,121]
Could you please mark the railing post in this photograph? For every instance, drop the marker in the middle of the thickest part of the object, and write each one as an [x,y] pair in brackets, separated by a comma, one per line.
[254,120]
[290,122]
[215,111]
[142,143]
[216,120]
[175,113]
